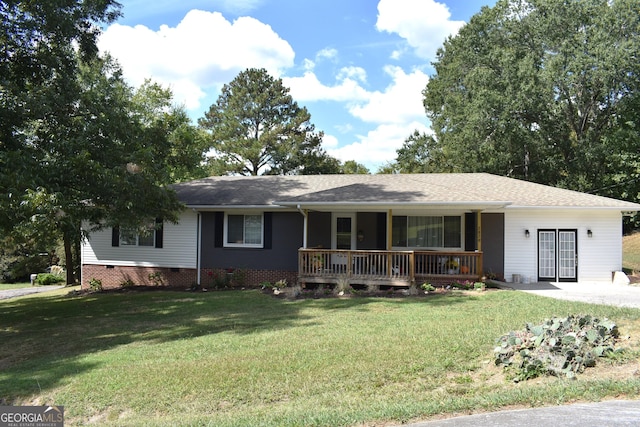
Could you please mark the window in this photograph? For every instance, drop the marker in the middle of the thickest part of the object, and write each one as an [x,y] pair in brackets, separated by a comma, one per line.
[243,230]
[151,236]
[427,231]
[135,237]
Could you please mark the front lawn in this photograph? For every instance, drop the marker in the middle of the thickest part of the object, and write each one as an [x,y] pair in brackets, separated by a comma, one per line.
[238,358]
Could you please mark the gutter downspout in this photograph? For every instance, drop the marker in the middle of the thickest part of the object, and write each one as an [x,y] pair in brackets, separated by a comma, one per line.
[305,214]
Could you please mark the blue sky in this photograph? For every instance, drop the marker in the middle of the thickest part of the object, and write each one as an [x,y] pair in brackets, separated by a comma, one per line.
[359,66]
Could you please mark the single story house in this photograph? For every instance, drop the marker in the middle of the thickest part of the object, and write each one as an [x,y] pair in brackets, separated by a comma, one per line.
[381,229]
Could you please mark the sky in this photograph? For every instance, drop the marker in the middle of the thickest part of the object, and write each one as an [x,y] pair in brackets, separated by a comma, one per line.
[358,66]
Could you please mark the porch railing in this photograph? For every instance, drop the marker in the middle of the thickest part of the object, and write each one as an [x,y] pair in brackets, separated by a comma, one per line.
[387,267]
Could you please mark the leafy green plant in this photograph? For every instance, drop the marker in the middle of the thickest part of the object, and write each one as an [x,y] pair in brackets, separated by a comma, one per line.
[479,286]
[559,346]
[427,287]
[465,286]
[266,285]
[156,278]
[95,285]
[282,283]
[46,279]
[237,277]
[127,283]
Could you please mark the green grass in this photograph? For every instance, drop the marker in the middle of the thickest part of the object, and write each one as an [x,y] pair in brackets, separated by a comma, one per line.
[243,358]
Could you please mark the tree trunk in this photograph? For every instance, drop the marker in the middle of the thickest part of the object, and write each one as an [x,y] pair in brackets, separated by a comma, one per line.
[68,257]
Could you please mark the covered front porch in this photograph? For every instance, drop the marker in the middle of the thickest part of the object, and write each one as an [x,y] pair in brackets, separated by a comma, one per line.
[387,268]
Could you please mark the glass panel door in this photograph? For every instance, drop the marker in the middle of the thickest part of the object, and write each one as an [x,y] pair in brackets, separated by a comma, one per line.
[567,255]
[546,255]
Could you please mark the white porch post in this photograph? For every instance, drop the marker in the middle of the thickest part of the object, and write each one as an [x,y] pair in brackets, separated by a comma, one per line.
[389,229]
[305,227]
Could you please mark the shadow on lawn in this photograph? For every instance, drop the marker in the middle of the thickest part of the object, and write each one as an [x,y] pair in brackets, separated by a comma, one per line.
[44,339]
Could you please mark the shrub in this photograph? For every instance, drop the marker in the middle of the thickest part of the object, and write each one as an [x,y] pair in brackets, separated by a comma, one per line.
[156,279]
[427,287]
[343,286]
[46,279]
[127,283]
[95,285]
[559,346]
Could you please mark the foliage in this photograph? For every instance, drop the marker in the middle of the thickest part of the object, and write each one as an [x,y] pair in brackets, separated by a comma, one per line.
[46,279]
[78,144]
[19,258]
[343,286]
[156,279]
[353,167]
[559,346]
[427,287]
[229,278]
[255,127]
[541,90]
[128,283]
[420,153]
[95,285]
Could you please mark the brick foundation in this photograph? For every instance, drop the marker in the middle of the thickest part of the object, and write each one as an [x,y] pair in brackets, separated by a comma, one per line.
[245,277]
[115,276]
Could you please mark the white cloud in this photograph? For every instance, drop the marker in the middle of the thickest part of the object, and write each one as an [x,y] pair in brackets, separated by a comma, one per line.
[424,24]
[399,103]
[329,142]
[309,88]
[203,51]
[327,53]
[355,73]
[378,146]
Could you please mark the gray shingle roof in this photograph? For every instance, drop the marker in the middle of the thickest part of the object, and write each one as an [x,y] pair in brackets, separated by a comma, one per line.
[410,189]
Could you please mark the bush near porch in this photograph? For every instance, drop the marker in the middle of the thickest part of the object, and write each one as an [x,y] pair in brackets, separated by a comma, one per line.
[238,358]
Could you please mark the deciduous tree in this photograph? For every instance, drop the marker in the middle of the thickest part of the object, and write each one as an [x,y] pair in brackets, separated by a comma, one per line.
[77,144]
[542,90]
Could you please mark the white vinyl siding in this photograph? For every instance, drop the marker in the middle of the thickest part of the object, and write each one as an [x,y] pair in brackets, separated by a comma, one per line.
[598,256]
[179,247]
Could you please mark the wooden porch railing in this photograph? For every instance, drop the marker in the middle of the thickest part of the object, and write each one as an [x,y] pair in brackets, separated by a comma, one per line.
[386,267]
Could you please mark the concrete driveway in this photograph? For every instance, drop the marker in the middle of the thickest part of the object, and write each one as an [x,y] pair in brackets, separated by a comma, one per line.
[613,413]
[18,292]
[595,293]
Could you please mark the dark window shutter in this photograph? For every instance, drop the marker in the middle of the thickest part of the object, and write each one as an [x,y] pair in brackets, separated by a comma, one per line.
[268,230]
[218,230]
[115,236]
[159,233]
[470,231]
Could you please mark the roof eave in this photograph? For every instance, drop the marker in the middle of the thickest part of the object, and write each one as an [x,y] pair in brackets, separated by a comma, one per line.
[624,209]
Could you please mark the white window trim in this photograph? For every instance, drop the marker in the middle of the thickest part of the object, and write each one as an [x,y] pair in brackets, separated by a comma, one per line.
[243,245]
[137,244]
[435,248]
